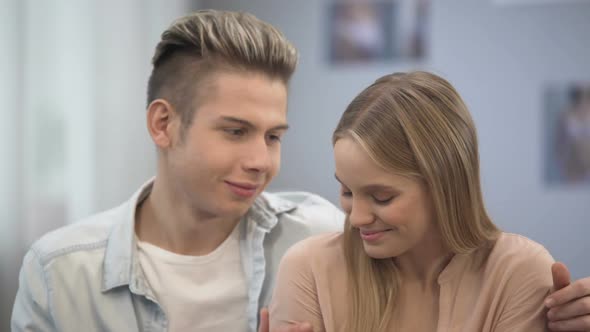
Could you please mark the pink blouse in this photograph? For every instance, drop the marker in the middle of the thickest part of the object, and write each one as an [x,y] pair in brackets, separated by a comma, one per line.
[499,288]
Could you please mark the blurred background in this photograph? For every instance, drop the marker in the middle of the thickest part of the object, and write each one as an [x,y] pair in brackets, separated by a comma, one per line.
[72,86]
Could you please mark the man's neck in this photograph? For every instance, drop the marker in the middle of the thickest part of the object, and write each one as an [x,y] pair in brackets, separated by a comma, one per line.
[168,222]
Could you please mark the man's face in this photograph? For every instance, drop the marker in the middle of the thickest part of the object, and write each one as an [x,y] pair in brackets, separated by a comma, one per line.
[232,149]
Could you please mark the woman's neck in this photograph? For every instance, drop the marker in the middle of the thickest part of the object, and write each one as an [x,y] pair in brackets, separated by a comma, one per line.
[425,263]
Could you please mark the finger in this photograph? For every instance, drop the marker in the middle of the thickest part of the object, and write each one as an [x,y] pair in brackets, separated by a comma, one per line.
[264,321]
[561,275]
[581,323]
[578,289]
[576,308]
[305,327]
[295,327]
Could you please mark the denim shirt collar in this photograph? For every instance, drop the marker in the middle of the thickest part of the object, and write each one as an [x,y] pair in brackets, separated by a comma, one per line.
[121,263]
[265,210]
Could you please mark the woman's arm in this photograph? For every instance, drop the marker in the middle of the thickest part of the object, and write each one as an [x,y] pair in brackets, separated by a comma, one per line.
[295,297]
[529,284]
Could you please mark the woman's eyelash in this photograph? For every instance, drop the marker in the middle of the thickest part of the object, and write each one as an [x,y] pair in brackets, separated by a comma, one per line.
[382,201]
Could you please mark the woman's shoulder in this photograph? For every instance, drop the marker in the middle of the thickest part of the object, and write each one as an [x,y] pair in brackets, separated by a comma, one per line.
[517,255]
[318,250]
[323,245]
[516,246]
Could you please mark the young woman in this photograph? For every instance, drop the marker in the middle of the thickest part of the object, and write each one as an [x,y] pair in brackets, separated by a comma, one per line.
[419,251]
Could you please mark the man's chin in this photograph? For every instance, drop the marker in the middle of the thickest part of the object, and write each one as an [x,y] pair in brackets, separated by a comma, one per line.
[236,209]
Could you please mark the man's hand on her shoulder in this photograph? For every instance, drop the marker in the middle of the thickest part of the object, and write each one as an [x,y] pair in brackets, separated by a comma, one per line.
[569,304]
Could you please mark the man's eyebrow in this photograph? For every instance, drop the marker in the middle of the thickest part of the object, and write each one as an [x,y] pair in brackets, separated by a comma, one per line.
[237,120]
[250,124]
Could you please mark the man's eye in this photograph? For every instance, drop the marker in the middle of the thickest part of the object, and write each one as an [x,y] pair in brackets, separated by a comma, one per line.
[235,131]
[274,138]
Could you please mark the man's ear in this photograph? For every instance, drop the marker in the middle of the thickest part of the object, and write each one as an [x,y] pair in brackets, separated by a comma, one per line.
[162,123]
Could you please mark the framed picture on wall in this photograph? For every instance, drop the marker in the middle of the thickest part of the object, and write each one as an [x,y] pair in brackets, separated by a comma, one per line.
[567,132]
[368,31]
[536,2]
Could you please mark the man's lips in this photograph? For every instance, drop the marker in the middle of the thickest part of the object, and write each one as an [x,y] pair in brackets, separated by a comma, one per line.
[243,189]
[244,185]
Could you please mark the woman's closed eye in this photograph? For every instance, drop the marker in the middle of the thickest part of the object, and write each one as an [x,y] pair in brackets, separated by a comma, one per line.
[344,192]
[382,200]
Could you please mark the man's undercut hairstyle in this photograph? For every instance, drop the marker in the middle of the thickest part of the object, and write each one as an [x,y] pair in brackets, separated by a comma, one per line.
[208,41]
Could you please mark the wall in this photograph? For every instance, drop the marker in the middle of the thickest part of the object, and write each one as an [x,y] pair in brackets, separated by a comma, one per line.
[499,57]
[72,135]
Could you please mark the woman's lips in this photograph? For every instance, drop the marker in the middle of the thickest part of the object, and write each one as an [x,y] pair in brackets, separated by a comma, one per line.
[370,236]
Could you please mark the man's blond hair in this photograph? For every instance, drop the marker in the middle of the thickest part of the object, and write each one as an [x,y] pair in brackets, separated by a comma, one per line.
[204,42]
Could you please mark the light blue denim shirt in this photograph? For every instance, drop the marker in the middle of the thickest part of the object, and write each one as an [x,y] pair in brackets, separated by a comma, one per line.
[87,277]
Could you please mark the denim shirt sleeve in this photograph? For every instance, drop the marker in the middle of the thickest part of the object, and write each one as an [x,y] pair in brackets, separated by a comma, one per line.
[31,310]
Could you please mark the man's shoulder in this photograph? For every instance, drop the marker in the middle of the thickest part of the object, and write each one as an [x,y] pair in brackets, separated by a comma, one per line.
[89,233]
[298,197]
[307,210]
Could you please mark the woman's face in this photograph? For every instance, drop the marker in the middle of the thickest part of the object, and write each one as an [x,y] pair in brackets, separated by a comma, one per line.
[393,213]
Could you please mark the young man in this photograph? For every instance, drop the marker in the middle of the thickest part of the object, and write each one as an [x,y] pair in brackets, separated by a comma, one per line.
[197,247]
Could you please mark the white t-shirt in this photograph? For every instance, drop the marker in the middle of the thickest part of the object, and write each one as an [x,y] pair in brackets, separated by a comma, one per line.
[199,293]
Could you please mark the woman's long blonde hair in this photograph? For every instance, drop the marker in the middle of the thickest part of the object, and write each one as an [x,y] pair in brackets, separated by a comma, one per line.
[414,124]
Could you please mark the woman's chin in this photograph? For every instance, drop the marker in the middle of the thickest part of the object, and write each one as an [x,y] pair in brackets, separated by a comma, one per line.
[379,253]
